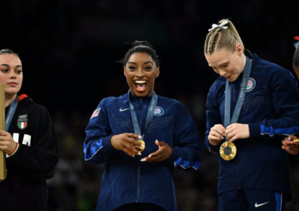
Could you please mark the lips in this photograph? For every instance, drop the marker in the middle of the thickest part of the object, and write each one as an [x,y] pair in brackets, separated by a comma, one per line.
[12,84]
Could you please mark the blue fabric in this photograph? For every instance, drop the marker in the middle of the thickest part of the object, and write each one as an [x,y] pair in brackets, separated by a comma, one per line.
[271,109]
[126,179]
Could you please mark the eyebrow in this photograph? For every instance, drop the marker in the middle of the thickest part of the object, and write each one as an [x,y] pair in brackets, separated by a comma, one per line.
[224,63]
[6,65]
[149,62]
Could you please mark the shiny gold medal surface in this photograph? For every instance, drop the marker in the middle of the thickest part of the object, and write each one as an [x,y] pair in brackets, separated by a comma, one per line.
[296,140]
[140,148]
[228,150]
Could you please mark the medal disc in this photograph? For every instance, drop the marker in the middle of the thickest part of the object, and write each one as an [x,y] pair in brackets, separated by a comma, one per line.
[228,150]
[296,140]
[140,148]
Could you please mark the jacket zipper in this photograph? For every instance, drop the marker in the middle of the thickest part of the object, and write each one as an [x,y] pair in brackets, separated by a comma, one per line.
[138,184]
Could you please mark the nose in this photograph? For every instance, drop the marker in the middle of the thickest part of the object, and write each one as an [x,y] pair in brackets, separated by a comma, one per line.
[139,72]
[13,74]
[221,72]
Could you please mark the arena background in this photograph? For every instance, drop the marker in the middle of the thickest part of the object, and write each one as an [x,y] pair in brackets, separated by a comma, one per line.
[69,51]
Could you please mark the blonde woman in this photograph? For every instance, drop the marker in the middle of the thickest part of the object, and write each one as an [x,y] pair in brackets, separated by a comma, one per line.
[249,107]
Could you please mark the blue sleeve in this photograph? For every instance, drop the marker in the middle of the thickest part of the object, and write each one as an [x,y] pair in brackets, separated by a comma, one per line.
[286,103]
[97,145]
[187,149]
[212,117]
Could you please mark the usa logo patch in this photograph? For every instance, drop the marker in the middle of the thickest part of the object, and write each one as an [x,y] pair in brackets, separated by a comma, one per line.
[158,111]
[250,85]
[22,121]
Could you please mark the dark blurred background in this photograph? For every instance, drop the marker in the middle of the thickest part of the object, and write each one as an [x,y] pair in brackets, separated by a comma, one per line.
[70,50]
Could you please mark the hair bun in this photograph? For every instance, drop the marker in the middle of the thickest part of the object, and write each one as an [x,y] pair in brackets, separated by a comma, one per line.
[141,43]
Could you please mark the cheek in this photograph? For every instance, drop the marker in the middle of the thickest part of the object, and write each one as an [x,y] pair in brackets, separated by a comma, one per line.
[2,78]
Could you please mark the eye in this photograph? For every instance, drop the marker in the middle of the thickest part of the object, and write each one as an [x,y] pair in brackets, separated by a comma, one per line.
[224,65]
[131,67]
[4,70]
[19,72]
[148,68]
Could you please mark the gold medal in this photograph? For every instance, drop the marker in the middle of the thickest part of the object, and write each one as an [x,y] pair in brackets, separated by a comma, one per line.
[228,150]
[296,140]
[140,148]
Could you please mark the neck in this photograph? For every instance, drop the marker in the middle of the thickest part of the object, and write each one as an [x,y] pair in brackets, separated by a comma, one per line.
[9,98]
[243,61]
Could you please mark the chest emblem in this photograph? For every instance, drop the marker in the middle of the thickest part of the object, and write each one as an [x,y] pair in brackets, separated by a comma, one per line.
[158,111]
[22,121]
[250,85]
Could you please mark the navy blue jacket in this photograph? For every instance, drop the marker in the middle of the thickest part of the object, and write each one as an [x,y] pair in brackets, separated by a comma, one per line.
[126,179]
[271,108]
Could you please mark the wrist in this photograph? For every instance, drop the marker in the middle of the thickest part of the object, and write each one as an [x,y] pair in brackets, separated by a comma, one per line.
[14,151]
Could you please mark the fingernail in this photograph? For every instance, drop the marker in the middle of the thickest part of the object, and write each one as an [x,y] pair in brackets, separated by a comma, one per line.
[143,159]
[139,153]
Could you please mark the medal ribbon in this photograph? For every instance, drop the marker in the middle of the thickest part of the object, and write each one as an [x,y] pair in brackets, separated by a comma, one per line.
[241,97]
[10,113]
[149,116]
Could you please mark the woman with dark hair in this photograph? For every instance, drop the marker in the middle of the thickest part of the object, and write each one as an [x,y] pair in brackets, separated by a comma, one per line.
[140,137]
[29,142]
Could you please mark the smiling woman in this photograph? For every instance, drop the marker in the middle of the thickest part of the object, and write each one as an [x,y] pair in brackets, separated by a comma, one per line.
[141,120]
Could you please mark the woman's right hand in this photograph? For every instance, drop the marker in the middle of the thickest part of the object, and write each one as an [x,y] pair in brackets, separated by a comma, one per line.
[216,134]
[125,142]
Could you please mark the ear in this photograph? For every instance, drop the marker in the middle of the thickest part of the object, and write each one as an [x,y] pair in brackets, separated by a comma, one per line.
[239,49]
[157,72]
[125,72]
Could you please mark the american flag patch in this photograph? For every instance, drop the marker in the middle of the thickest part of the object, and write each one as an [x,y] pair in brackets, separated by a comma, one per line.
[95,113]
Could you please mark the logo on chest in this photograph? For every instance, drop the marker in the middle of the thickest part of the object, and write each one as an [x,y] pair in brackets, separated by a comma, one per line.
[22,121]
[250,85]
[158,111]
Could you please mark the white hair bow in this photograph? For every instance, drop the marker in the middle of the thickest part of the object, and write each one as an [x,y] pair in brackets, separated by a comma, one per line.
[221,25]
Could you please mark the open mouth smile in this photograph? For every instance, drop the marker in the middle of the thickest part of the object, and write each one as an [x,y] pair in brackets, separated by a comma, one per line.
[140,85]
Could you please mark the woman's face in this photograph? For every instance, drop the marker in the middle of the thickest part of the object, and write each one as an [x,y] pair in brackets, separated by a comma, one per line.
[11,74]
[227,64]
[141,71]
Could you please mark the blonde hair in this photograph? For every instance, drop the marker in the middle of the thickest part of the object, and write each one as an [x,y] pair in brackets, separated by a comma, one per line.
[222,37]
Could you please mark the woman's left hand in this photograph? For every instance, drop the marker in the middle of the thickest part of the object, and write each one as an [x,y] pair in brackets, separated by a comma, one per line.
[237,131]
[290,146]
[164,152]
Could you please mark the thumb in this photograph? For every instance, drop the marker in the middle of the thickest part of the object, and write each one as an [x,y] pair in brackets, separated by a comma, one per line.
[157,143]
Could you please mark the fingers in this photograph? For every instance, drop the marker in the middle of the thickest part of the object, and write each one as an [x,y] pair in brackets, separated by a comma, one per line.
[237,131]
[216,134]
[125,142]
[164,152]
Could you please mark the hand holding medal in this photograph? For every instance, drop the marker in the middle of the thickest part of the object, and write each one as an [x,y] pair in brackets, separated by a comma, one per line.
[141,147]
[291,145]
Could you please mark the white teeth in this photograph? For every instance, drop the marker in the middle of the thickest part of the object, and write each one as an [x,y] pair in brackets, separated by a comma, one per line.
[140,82]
